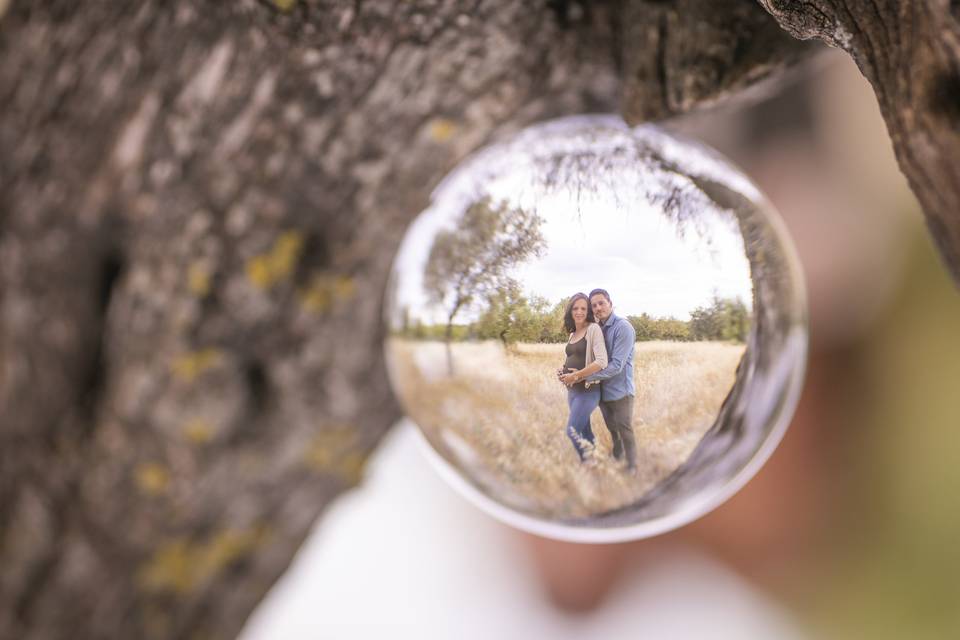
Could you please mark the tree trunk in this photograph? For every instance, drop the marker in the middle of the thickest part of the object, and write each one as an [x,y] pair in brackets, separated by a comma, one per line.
[199,204]
[448,343]
[910,53]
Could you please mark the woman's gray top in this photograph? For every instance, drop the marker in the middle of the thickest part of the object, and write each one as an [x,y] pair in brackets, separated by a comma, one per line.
[576,355]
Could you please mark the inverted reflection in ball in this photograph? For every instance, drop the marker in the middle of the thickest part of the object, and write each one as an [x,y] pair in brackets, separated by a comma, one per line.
[680,374]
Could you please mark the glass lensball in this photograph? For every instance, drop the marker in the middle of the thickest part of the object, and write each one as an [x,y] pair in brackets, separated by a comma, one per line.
[708,315]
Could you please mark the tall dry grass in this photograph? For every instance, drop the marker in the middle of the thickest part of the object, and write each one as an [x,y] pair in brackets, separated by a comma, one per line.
[501,418]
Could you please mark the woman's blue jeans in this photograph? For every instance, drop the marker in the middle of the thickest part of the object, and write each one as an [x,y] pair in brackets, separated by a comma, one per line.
[582,402]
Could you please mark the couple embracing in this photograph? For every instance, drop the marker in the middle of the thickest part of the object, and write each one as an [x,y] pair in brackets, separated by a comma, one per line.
[598,371]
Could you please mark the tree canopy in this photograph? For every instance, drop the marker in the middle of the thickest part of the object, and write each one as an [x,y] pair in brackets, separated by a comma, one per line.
[473,260]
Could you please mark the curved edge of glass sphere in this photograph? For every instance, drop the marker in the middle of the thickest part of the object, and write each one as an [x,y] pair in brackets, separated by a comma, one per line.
[706,498]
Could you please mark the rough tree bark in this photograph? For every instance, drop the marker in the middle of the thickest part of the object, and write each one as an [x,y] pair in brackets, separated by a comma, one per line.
[199,203]
[910,53]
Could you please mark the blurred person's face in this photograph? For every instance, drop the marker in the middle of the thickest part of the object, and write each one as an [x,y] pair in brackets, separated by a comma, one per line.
[601,307]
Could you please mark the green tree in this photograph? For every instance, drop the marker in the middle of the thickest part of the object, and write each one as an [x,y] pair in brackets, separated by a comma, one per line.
[471,261]
[511,317]
[405,326]
[723,319]
[705,322]
[665,328]
[643,327]
[551,324]
[734,320]
[671,329]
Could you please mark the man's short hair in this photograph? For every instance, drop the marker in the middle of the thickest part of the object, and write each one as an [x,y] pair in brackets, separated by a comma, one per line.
[602,292]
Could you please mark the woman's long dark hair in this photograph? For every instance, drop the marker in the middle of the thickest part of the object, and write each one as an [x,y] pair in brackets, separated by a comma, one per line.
[568,322]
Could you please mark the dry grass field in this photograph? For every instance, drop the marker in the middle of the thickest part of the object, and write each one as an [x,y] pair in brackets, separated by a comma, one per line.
[502,418]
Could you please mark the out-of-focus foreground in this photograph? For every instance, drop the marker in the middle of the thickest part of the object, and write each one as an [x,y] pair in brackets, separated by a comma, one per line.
[853,522]
[849,531]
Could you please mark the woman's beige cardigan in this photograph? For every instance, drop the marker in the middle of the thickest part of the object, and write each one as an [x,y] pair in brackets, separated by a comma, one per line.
[596,348]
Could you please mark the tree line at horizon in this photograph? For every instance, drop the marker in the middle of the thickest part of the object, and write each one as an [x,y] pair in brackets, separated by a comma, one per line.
[512,317]
[469,266]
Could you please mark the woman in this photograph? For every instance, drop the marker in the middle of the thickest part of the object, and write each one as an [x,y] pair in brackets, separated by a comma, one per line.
[586,354]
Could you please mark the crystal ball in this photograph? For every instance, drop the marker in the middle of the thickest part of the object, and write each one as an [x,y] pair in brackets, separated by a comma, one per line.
[599,331]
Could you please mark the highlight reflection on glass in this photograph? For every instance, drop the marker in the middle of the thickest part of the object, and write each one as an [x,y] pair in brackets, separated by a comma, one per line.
[678,378]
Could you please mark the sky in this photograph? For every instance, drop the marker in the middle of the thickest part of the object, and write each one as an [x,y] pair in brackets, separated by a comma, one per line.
[610,237]
[637,255]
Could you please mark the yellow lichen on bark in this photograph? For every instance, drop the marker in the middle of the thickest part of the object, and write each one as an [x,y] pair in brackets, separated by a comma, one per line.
[441,129]
[198,431]
[333,451]
[266,270]
[182,565]
[284,5]
[349,468]
[325,291]
[188,366]
[198,279]
[152,478]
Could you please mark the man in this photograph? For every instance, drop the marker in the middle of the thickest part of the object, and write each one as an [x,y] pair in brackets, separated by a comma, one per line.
[617,391]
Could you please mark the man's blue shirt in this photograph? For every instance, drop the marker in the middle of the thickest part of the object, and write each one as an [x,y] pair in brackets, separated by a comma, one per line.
[617,376]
